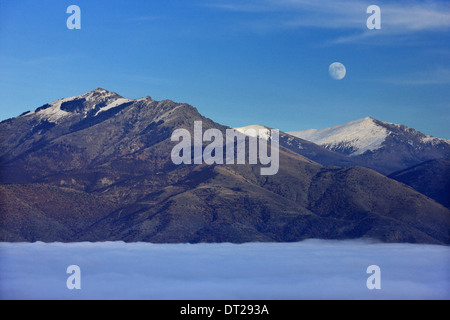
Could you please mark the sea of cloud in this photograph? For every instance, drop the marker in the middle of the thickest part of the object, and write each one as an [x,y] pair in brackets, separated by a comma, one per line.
[311,269]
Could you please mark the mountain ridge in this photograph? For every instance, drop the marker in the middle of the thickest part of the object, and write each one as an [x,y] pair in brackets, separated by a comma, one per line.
[382,146]
[117,168]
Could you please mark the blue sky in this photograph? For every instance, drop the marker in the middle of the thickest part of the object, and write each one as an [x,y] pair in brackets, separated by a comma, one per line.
[239,62]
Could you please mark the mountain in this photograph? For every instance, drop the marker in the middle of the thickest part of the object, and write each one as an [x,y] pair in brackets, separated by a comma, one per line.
[98,167]
[431,178]
[97,132]
[306,148]
[382,146]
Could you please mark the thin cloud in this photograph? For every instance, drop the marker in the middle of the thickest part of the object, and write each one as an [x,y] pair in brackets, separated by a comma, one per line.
[417,17]
[36,61]
[145,18]
[438,76]
[397,19]
[239,7]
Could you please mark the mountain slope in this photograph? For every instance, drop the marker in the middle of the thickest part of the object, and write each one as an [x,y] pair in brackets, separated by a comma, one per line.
[431,178]
[103,171]
[304,200]
[41,212]
[385,147]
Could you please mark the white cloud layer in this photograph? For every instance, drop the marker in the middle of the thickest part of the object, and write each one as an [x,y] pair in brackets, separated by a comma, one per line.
[312,269]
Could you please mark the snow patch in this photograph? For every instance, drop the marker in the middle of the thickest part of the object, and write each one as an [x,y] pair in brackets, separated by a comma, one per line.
[255,130]
[114,104]
[54,113]
[166,114]
[433,140]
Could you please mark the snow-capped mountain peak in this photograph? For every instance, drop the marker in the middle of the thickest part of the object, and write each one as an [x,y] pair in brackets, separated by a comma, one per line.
[368,134]
[92,102]
[353,138]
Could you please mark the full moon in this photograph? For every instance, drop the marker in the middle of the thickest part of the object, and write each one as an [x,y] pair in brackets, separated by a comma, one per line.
[337,70]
